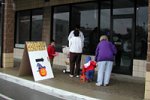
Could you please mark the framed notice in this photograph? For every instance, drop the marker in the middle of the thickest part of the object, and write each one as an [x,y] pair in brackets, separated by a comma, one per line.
[36,56]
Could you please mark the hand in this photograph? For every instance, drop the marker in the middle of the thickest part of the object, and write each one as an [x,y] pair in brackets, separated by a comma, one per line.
[56,54]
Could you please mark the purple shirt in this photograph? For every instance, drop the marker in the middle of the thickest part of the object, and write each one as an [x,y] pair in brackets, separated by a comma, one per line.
[105,51]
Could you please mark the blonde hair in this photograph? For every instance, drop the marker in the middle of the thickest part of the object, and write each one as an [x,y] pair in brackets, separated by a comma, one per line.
[103,37]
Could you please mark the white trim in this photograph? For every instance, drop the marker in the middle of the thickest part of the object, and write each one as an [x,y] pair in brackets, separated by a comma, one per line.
[5,97]
[46,89]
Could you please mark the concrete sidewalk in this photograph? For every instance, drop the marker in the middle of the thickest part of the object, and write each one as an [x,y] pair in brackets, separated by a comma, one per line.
[122,87]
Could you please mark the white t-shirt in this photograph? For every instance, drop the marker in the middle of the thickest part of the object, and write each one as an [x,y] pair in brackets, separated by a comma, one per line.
[75,45]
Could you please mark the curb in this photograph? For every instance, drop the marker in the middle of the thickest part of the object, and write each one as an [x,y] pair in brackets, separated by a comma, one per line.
[46,89]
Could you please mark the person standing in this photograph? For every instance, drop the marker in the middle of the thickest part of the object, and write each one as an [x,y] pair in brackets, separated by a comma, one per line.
[75,49]
[51,51]
[104,57]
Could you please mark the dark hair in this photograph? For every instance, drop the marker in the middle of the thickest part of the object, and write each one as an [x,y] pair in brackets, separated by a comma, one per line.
[52,41]
[76,33]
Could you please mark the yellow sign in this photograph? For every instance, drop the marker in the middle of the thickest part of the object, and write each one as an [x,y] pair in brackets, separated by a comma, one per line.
[36,46]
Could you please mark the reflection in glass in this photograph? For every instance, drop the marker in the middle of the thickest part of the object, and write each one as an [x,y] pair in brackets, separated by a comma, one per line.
[141,31]
[122,37]
[23,27]
[86,15]
[61,26]
[105,18]
[123,7]
[37,23]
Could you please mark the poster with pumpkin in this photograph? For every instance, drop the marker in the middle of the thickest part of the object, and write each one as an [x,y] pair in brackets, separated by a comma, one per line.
[37,55]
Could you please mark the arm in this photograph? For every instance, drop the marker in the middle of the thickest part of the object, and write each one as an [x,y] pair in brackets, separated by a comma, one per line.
[96,53]
[51,51]
[70,35]
[69,43]
[114,49]
[93,63]
[82,36]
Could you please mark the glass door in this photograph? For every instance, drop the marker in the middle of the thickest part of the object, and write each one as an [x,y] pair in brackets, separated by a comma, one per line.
[122,36]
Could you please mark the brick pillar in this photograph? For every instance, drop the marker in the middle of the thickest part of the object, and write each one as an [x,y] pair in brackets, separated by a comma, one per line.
[147,80]
[8,35]
[46,25]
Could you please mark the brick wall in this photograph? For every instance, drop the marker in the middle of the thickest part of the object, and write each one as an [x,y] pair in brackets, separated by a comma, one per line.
[46,25]
[147,81]
[8,35]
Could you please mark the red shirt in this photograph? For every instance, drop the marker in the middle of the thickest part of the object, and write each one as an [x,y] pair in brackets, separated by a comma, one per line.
[90,67]
[51,51]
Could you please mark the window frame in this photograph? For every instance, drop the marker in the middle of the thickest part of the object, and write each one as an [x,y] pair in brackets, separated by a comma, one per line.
[31,13]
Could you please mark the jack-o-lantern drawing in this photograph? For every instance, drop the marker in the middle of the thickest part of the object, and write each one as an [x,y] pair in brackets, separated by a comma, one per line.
[41,69]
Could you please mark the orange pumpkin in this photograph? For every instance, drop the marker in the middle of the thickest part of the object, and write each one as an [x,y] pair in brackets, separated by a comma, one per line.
[43,71]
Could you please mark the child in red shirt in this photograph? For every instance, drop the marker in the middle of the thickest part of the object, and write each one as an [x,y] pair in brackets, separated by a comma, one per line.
[88,68]
[51,51]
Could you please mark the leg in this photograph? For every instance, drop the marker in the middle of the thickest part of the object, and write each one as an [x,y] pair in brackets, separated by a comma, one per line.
[91,75]
[72,63]
[51,61]
[87,75]
[100,74]
[78,63]
[108,70]
[67,65]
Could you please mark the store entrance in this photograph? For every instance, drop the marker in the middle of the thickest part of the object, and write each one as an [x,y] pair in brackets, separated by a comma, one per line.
[122,36]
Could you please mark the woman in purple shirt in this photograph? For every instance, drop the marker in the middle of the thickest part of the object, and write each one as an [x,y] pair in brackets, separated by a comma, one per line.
[104,57]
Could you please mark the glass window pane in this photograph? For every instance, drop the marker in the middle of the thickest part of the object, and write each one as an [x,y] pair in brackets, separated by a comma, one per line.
[37,23]
[86,15]
[141,30]
[23,27]
[105,18]
[61,26]
[123,7]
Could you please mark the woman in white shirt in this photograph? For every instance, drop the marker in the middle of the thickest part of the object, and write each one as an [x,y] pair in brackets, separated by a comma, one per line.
[75,48]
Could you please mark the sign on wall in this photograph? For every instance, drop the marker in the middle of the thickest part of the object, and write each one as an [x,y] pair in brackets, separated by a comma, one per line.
[35,60]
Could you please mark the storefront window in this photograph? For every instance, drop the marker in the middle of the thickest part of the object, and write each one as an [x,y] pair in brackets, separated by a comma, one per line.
[23,27]
[141,29]
[86,15]
[123,7]
[37,24]
[105,18]
[61,26]
[29,26]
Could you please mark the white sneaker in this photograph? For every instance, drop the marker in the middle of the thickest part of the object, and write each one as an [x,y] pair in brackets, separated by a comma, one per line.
[71,75]
[97,84]
[77,75]
[105,84]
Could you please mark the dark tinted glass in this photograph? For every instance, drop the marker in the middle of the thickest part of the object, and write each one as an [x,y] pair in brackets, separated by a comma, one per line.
[141,29]
[86,16]
[37,24]
[23,27]
[61,26]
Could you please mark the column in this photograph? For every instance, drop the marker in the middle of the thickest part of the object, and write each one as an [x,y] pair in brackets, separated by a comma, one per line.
[8,34]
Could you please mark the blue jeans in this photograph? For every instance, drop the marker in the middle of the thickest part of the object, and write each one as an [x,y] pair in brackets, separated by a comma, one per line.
[104,72]
[90,74]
